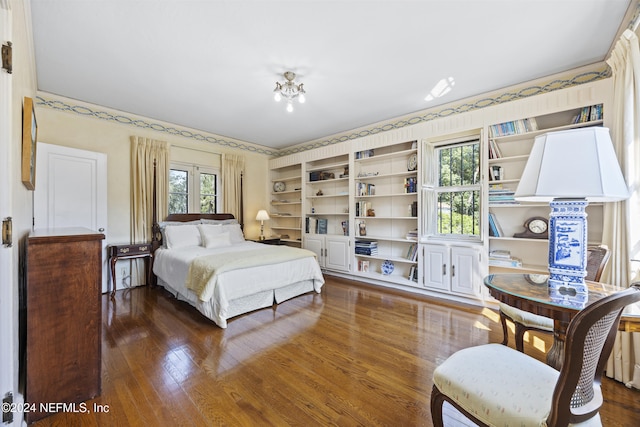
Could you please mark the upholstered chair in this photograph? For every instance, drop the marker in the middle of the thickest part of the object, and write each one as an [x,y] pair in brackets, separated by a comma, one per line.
[495,385]
[597,258]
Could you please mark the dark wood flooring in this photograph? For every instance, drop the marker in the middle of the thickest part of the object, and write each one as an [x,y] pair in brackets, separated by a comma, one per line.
[354,355]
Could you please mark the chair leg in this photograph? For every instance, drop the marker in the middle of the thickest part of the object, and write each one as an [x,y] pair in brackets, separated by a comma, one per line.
[505,331]
[520,330]
[437,400]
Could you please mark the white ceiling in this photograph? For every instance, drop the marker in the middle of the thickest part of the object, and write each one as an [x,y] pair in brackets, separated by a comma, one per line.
[212,65]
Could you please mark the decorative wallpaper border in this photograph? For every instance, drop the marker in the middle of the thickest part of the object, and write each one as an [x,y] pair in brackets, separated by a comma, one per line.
[557,84]
[526,92]
[82,110]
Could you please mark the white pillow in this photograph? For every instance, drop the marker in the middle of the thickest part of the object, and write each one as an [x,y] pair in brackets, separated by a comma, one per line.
[164,225]
[235,232]
[217,240]
[213,236]
[178,236]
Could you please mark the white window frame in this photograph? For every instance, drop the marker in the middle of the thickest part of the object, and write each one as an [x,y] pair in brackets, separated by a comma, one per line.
[432,189]
[193,184]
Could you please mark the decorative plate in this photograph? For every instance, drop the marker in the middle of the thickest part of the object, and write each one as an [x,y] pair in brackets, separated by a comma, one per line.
[279,186]
[387,267]
[412,163]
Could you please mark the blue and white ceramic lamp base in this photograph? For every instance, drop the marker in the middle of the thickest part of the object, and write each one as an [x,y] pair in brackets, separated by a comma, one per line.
[568,251]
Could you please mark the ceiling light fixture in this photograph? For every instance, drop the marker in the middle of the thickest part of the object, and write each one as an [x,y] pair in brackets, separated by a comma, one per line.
[289,90]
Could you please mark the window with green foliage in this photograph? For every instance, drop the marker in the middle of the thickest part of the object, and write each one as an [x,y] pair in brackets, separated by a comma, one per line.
[193,189]
[456,190]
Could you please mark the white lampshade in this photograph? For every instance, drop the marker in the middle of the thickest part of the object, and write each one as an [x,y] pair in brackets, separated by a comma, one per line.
[262,215]
[576,163]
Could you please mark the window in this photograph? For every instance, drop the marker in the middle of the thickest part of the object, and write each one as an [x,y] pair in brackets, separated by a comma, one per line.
[193,189]
[454,194]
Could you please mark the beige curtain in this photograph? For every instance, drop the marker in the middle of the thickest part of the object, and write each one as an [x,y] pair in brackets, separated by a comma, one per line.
[232,170]
[621,234]
[143,153]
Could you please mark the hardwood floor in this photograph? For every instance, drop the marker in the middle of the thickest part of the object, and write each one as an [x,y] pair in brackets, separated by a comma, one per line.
[353,355]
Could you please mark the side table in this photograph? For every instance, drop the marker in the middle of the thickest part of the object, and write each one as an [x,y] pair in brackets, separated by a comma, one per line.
[136,250]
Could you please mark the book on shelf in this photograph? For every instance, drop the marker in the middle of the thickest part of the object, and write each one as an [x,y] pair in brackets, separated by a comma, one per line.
[412,252]
[365,189]
[410,185]
[364,154]
[363,208]
[589,114]
[494,150]
[505,262]
[363,265]
[514,127]
[322,226]
[412,235]
[494,226]
[500,253]
[496,173]
[366,247]
[413,274]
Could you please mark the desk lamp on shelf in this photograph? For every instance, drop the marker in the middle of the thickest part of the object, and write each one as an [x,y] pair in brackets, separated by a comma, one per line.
[262,216]
[569,169]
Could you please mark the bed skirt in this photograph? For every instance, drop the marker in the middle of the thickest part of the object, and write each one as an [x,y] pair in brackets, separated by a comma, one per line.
[241,305]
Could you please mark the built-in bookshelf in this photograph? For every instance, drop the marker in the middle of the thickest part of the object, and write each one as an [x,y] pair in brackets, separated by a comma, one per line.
[327,196]
[286,204]
[509,145]
[385,213]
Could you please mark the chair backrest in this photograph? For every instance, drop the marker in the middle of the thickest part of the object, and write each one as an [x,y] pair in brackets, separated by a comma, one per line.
[577,396]
[597,258]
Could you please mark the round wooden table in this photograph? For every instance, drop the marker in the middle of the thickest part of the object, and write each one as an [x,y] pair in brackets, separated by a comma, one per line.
[531,293]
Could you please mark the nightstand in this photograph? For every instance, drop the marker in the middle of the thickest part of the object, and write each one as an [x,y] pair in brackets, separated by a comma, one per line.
[268,241]
[138,250]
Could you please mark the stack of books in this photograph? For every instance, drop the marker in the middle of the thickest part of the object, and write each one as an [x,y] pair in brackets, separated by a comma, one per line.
[499,195]
[412,235]
[366,247]
[503,258]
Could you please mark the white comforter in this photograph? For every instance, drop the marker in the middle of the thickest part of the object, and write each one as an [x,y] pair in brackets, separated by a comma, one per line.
[172,266]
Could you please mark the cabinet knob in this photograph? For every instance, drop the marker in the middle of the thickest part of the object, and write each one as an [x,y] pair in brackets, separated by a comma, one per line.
[101,230]
[453,271]
[444,269]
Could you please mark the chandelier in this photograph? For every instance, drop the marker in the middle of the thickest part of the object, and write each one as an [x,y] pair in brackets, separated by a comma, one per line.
[289,90]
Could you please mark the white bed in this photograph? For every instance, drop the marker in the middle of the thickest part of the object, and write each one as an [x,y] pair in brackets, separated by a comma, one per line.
[236,291]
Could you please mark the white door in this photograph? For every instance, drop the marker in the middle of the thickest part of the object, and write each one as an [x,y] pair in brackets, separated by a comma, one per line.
[8,263]
[71,191]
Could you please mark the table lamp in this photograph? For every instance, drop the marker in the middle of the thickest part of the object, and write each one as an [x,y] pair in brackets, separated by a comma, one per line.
[262,217]
[569,169]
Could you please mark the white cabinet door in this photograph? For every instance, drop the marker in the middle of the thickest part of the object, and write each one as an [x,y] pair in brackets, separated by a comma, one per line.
[465,277]
[436,267]
[315,244]
[332,251]
[337,253]
[452,269]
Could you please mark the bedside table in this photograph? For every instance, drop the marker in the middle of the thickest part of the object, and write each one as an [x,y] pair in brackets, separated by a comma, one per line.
[267,241]
[118,252]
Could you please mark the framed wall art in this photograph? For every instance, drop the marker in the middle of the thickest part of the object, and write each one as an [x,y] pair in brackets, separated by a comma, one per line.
[29,140]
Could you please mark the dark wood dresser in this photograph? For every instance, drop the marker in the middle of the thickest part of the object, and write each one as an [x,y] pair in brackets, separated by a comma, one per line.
[63,317]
